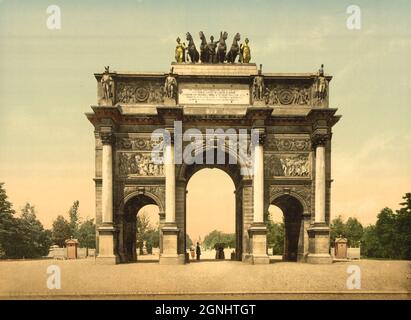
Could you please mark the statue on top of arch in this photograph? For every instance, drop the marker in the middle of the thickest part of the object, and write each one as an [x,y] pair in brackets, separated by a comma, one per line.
[213,51]
[321,85]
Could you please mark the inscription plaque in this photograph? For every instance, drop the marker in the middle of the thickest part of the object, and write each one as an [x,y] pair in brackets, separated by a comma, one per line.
[214,96]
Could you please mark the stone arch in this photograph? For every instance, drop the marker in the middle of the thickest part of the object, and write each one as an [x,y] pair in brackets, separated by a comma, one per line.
[293,212]
[155,198]
[129,208]
[186,171]
[295,194]
[241,162]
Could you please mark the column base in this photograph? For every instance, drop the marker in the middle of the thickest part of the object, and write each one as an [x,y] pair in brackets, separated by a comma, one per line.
[106,254]
[108,260]
[250,258]
[258,238]
[170,245]
[319,244]
[319,258]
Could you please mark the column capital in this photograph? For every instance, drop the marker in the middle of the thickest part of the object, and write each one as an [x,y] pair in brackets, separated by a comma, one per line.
[260,139]
[169,136]
[319,139]
[107,138]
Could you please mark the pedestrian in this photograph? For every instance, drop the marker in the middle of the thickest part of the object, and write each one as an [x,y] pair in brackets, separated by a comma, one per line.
[192,251]
[198,251]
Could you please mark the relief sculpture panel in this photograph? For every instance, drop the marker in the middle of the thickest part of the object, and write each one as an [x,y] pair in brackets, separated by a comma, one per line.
[293,94]
[288,165]
[138,164]
[140,92]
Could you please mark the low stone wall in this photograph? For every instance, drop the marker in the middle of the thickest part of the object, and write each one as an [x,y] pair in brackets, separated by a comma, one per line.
[61,253]
[353,253]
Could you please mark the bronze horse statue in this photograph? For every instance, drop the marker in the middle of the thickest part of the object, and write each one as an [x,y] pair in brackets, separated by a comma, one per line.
[222,47]
[204,56]
[235,49]
[191,48]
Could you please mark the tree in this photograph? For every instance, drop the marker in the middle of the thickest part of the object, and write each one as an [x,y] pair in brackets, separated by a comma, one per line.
[61,231]
[337,229]
[216,236]
[403,228]
[86,234]
[370,246]
[143,227]
[146,233]
[30,239]
[353,231]
[74,218]
[6,222]
[189,242]
[275,237]
[385,232]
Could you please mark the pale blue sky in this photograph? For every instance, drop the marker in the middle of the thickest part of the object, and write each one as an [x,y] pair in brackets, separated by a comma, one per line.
[46,85]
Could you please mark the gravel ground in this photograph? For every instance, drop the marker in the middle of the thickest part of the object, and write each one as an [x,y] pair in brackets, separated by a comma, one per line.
[208,279]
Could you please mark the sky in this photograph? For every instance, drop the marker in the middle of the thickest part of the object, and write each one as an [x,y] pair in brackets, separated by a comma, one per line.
[47,84]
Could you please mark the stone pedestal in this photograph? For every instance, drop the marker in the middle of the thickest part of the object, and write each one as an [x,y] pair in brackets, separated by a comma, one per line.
[105,102]
[258,238]
[319,244]
[170,248]
[259,103]
[107,253]
[169,101]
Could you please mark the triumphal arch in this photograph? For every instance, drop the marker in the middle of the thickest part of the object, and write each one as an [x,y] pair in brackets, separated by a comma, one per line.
[149,141]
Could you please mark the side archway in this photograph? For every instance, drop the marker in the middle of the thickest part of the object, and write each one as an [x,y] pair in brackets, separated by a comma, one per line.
[129,209]
[293,213]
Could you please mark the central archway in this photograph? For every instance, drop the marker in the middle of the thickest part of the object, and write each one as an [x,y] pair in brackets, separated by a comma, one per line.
[233,168]
[211,208]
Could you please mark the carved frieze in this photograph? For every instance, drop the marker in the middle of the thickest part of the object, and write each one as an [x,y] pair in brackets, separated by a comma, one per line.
[288,144]
[288,165]
[288,95]
[140,92]
[138,164]
[140,143]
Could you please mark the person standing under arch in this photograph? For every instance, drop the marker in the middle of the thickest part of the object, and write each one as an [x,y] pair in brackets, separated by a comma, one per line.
[198,251]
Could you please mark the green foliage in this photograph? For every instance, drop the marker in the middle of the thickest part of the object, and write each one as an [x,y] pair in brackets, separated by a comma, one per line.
[275,237]
[390,238]
[352,230]
[385,232]
[189,242]
[6,222]
[403,228]
[30,240]
[21,237]
[215,236]
[25,236]
[74,218]
[86,234]
[145,232]
[369,242]
[337,229]
[61,231]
